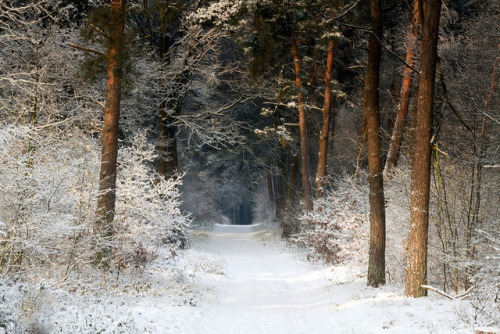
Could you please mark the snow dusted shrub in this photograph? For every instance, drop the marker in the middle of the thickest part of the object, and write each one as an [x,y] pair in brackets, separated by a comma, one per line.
[485,296]
[10,307]
[46,197]
[148,215]
[397,213]
[336,231]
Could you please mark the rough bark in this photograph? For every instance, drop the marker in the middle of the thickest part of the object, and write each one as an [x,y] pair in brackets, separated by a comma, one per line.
[306,183]
[107,178]
[376,261]
[328,105]
[404,100]
[416,269]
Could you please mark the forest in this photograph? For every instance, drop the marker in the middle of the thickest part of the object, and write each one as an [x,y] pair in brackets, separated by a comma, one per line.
[361,135]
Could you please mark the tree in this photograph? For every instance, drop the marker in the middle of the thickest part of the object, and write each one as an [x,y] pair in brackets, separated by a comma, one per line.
[107,178]
[162,27]
[404,99]
[304,152]
[328,105]
[376,264]
[416,269]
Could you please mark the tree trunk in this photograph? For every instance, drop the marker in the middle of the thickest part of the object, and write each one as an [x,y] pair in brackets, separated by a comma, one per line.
[270,188]
[376,262]
[281,194]
[416,268]
[306,182]
[107,178]
[404,100]
[167,164]
[328,105]
[290,226]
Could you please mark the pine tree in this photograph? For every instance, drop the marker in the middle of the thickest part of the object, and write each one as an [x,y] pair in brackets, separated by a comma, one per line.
[107,179]
[416,270]
[404,100]
[376,264]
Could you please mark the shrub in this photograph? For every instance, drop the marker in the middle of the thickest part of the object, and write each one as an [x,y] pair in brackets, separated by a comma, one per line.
[336,231]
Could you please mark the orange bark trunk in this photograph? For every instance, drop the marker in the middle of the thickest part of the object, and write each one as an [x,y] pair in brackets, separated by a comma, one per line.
[328,104]
[306,183]
[376,261]
[107,177]
[416,268]
[397,134]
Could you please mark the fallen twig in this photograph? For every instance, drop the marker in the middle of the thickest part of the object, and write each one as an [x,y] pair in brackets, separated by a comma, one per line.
[442,293]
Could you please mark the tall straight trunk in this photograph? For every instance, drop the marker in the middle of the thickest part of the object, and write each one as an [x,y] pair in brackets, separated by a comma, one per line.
[416,268]
[328,104]
[167,163]
[270,188]
[306,182]
[292,189]
[290,226]
[281,194]
[376,261]
[404,100]
[107,178]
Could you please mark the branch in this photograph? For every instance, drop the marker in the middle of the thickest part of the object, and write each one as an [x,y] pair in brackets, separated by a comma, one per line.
[442,293]
[81,48]
[97,29]
[141,38]
[445,95]
[383,45]
[465,294]
[347,11]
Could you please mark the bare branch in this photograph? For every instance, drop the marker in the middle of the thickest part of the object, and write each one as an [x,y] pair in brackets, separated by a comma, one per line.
[442,293]
[100,54]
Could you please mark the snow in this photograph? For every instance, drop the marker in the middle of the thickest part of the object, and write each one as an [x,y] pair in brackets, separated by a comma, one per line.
[267,288]
[243,279]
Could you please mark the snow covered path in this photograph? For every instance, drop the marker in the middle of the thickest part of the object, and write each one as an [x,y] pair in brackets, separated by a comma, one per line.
[263,291]
[266,289]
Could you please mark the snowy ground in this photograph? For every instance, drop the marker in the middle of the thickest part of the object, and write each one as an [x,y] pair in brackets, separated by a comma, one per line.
[265,288]
[240,279]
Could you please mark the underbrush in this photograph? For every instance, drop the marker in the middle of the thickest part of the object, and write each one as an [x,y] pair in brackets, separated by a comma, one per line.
[336,230]
[47,205]
[463,255]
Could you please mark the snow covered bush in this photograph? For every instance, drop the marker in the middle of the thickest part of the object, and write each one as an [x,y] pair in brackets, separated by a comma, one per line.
[397,212]
[485,297]
[10,305]
[148,214]
[337,230]
[47,205]
[46,200]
